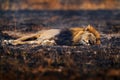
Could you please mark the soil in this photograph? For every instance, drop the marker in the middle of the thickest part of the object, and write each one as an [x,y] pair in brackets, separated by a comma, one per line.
[36,62]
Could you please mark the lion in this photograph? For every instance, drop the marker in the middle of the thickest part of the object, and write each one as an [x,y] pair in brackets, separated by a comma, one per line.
[68,36]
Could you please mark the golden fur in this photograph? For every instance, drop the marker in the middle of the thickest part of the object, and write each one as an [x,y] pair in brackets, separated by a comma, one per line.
[77,32]
[77,36]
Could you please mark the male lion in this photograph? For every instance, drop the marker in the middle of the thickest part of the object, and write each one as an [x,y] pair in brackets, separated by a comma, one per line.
[72,36]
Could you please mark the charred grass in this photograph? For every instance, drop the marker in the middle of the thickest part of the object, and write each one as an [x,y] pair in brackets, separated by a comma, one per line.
[35,62]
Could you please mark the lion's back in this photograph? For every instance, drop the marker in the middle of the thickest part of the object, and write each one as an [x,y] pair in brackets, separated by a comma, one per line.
[47,34]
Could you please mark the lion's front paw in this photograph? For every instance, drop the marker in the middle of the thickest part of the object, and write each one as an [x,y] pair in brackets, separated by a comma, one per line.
[12,42]
[7,41]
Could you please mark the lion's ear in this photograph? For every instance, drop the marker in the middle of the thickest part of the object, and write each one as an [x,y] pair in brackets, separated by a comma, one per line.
[87,28]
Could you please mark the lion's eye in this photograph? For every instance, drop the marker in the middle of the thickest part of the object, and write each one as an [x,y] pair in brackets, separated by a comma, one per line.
[86,42]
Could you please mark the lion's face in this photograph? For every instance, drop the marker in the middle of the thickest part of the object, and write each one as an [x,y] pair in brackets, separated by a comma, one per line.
[87,38]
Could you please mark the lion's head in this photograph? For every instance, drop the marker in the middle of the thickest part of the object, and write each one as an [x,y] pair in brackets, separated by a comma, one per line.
[86,36]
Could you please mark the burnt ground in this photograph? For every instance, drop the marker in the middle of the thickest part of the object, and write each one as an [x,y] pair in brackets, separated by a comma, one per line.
[35,62]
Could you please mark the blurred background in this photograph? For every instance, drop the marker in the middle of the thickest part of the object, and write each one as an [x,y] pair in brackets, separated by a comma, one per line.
[58,4]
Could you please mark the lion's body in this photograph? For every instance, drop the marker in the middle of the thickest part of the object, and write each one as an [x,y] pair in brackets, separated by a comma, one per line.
[72,36]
